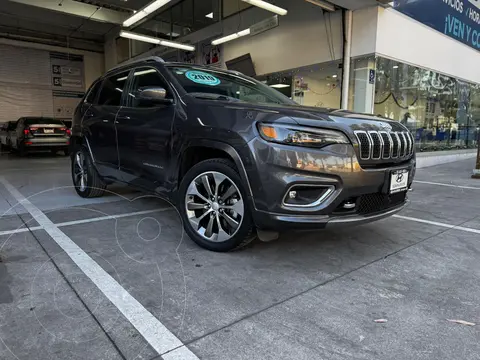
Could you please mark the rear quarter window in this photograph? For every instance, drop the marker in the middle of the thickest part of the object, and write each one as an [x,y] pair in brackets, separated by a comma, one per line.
[92,93]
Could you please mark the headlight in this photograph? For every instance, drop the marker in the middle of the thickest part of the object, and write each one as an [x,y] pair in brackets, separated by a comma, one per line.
[300,136]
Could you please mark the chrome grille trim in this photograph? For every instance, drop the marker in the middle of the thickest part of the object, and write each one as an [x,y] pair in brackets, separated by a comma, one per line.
[377,145]
[375,137]
[386,147]
[361,144]
[396,154]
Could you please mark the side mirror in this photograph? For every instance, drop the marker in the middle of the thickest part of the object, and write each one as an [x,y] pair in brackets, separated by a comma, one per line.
[153,95]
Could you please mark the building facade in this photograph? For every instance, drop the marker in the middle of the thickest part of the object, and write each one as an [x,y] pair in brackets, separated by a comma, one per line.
[413,61]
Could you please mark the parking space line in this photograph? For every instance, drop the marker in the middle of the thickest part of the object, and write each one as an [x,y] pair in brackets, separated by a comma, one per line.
[182,353]
[453,227]
[152,330]
[448,185]
[110,217]
[21,230]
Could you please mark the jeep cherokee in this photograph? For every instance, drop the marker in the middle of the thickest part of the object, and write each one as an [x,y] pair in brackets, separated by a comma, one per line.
[234,155]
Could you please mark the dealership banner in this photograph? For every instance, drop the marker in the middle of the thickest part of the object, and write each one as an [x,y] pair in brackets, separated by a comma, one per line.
[458,19]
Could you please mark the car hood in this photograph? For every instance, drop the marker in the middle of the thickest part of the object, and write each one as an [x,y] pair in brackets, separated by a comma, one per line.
[239,117]
[321,117]
[334,118]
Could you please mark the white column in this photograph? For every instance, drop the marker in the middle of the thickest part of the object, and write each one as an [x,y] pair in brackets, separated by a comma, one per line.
[364,79]
[347,58]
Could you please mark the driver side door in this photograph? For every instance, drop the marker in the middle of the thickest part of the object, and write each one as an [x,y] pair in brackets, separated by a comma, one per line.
[144,132]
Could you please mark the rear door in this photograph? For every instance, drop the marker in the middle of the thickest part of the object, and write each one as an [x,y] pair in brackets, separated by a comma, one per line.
[17,133]
[145,133]
[12,127]
[99,123]
[3,133]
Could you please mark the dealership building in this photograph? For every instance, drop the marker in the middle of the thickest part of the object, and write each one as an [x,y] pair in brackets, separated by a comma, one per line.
[414,61]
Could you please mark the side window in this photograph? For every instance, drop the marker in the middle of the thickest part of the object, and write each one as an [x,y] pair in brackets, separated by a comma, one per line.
[147,77]
[92,95]
[112,89]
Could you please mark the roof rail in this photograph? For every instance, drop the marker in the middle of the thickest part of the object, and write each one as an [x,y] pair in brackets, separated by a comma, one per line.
[134,61]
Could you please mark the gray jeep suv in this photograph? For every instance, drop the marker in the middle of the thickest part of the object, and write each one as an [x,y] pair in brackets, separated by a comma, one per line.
[235,156]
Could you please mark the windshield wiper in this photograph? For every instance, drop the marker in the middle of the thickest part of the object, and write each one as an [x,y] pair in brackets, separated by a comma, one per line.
[213,96]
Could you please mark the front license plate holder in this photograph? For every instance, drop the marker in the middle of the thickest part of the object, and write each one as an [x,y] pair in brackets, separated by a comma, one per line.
[398,181]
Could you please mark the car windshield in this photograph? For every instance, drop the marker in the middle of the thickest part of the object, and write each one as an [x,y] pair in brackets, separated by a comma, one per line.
[215,84]
[32,121]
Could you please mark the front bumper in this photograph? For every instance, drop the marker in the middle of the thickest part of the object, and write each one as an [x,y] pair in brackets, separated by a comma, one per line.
[275,168]
[280,222]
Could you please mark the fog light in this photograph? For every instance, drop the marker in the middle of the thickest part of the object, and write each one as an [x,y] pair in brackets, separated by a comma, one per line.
[307,195]
[349,205]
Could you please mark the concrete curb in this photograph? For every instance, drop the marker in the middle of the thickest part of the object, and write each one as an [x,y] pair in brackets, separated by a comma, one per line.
[437,158]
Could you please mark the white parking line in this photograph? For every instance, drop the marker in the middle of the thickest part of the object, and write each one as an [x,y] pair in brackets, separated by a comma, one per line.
[448,185]
[21,230]
[111,217]
[152,330]
[85,221]
[453,227]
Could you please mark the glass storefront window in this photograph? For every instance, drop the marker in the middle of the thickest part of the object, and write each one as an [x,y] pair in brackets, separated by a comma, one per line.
[437,109]
[440,111]
[315,85]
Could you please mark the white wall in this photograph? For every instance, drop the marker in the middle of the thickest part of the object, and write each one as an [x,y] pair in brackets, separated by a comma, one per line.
[299,40]
[364,31]
[94,62]
[401,38]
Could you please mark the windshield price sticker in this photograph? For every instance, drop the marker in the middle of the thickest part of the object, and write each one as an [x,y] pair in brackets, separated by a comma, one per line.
[203,78]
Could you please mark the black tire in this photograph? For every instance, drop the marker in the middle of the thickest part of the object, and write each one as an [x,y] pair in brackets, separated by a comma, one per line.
[245,233]
[21,150]
[53,151]
[95,186]
[66,152]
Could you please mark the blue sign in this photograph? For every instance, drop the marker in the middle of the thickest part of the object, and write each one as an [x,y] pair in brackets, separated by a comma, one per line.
[203,78]
[371,76]
[458,19]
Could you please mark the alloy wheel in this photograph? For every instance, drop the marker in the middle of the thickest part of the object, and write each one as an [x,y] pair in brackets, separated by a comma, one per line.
[214,206]
[80,171]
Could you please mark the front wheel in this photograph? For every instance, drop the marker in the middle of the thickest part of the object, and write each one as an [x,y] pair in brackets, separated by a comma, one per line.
[213,205]
[86,179]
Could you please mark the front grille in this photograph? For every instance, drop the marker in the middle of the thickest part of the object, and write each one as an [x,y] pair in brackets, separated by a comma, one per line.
[376,145]
[372,203]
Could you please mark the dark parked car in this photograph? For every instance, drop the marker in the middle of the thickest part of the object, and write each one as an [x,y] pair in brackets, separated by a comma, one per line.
[234,155]
[5,131]
[39,133]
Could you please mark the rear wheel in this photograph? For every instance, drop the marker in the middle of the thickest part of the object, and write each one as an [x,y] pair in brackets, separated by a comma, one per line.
[22,151]
[86,179]
[213,205]
[53,151]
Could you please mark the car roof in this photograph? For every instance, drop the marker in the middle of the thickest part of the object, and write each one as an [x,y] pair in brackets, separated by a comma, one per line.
[159,60]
